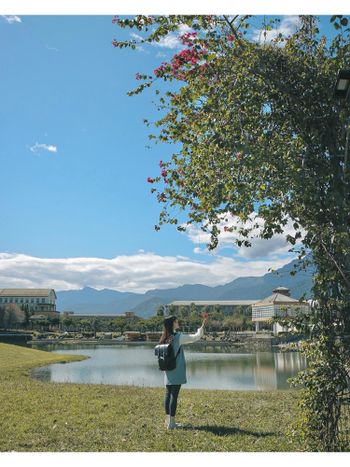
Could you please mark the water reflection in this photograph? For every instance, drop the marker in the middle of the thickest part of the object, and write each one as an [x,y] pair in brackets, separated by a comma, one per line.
[137,365]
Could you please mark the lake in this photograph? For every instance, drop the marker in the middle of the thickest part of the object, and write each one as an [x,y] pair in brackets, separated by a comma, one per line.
[207,368]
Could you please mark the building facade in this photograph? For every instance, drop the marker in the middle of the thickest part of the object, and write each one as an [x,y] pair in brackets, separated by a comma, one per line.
[280,303]
[35,300]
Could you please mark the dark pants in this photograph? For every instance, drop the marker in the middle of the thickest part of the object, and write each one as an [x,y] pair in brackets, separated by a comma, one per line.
[170,402]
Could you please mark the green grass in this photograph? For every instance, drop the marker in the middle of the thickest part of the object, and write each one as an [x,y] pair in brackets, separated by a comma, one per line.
[41,416]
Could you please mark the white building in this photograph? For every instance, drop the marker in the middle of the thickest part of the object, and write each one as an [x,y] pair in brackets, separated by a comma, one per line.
[280,303]
[35,300]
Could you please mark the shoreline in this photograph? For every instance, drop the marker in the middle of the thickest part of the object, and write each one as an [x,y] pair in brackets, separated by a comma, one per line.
[262,343]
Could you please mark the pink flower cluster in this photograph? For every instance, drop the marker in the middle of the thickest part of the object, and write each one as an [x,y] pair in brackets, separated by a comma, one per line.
[185,56]
[189,56]
[160,70]
[188,37]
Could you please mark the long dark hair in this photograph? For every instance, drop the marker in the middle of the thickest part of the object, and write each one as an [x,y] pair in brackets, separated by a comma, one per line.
[168,329]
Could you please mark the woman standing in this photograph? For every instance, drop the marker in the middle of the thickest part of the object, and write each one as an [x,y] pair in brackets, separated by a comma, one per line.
[175,378]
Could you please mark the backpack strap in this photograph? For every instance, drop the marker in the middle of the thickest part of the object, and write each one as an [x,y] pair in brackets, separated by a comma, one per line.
[177,353]
[170,341]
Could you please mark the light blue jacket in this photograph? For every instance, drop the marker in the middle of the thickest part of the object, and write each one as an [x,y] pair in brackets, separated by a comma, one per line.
[178,375]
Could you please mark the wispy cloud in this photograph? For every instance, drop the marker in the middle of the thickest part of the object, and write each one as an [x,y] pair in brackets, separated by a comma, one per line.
[170,41]
[135,273]
[275,247]
[286,27]
[55,49]
[10,19]
[39,147]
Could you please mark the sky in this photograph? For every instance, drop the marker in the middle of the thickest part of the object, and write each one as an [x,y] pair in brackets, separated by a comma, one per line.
[76,209]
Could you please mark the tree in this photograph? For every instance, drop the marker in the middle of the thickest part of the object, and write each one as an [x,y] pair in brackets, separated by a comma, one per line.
[96,325]
[160,310]
[11,316]
[234,322]
[27,314]
[67,322]
[184,311]
[261,152]
[193,310]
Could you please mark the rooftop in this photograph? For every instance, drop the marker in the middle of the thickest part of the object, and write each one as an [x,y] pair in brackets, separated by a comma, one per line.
[276,299]
[26,292]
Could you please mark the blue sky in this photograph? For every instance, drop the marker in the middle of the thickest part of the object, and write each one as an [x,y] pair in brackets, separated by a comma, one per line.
[74,163]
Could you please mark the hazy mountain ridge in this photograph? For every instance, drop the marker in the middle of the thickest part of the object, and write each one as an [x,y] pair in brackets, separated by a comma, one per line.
[106,301]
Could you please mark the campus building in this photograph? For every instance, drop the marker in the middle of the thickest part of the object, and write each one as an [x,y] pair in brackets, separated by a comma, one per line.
[280,303]
[34,300]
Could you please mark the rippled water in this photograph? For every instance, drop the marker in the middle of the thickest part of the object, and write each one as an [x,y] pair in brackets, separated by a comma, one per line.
[137,365]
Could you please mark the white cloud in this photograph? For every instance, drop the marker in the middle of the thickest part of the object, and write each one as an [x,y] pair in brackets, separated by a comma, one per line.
[36,148]
[135,273]
[12,19]
[170,41]
[286,27]
[260,249]
[55,49]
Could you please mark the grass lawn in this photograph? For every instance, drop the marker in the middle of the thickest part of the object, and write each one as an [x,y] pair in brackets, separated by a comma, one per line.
[41,416]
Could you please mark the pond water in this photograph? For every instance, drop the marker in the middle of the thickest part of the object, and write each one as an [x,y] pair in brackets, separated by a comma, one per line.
[207,368]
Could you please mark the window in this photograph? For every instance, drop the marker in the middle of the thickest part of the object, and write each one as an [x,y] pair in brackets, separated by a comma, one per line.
[32,300]
[43,300]
[37,300]
[21,300]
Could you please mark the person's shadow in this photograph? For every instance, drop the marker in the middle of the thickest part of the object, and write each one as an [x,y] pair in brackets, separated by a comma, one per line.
[225,430]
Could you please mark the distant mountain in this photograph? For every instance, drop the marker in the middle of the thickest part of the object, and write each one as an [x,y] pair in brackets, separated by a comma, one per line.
[92,301]
[260,287]
[89,300]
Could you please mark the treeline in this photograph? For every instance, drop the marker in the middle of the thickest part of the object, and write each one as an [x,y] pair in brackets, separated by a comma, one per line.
[190,319]
[12,317]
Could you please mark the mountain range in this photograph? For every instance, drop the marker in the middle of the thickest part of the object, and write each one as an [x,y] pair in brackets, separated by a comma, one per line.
[106,301]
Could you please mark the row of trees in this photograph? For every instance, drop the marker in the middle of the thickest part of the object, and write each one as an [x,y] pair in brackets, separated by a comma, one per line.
[13,317]
[218,321]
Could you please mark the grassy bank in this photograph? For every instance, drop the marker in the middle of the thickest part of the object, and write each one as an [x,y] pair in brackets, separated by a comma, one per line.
[40,416]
